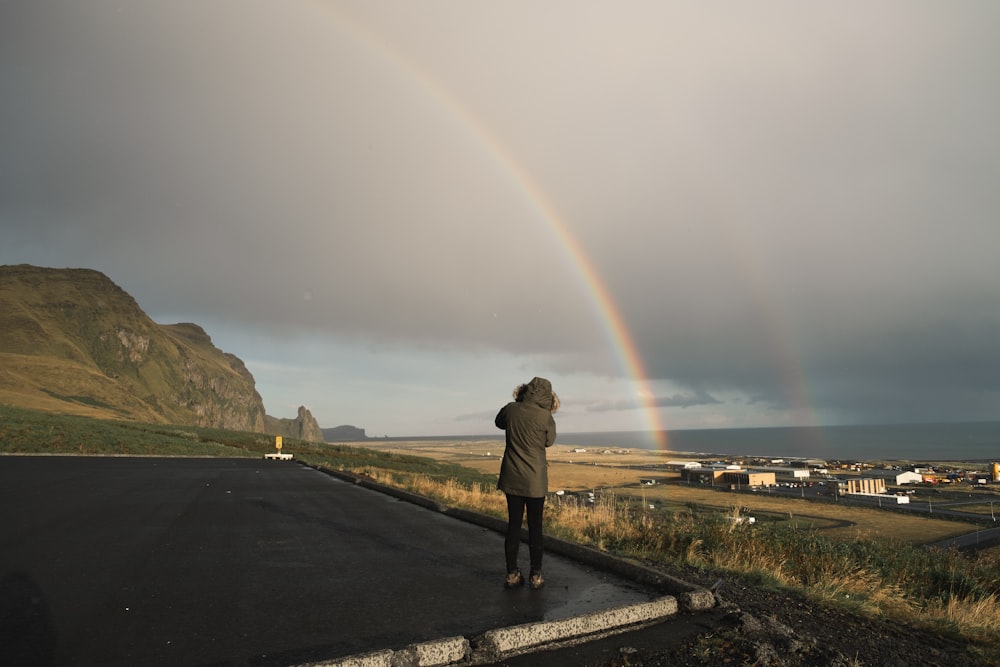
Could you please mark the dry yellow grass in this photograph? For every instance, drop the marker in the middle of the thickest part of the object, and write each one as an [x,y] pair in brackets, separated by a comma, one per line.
[617,472]
[850,520]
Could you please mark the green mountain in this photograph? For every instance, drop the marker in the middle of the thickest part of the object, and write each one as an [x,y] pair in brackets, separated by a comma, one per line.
[72,341]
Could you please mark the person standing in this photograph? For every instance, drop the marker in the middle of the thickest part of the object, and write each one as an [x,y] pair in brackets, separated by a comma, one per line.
[530,428]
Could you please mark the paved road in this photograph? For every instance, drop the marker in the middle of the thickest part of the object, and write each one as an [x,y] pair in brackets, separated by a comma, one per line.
[149,561]
[935,508]
[981,539]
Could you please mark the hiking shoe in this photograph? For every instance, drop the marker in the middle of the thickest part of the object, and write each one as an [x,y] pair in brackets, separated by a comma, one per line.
[536,581]
[513,580]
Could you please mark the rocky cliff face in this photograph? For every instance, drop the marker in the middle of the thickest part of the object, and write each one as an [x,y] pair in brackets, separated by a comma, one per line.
[219,388]
[76,342]
[302,427]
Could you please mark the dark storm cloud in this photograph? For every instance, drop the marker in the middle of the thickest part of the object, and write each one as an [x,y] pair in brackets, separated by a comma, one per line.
[792,208]
[674,401]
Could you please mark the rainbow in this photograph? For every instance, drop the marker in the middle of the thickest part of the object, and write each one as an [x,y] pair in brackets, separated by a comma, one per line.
[610,318]
[784,349]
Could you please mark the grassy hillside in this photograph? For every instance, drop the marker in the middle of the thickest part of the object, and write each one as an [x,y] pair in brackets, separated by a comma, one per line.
[75,342]
[25,431]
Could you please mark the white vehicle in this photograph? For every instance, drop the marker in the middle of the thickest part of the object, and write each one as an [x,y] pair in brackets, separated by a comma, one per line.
[278,456]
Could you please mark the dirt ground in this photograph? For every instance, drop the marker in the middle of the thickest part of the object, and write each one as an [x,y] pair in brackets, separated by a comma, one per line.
[781,629]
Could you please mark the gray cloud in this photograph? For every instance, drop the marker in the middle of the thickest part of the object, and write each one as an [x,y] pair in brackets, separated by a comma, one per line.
[674,401]
[792,208]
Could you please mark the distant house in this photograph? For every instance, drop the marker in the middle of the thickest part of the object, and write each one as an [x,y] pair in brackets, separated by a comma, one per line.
[703,475]
[578,450]
[816,466]
[863,486]
[794,474]
[748,478]
[729,476]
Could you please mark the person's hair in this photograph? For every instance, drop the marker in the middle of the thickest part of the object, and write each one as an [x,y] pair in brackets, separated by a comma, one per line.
[519,396]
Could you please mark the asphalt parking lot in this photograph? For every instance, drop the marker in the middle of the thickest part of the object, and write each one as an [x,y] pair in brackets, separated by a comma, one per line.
[154,561]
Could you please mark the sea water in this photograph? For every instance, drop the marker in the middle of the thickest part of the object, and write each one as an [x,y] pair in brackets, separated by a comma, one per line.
[960,441]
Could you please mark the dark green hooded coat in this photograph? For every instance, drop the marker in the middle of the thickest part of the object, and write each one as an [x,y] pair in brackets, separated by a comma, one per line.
[530,429]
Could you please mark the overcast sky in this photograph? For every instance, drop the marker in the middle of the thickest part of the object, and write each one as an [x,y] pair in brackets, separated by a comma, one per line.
[394,212]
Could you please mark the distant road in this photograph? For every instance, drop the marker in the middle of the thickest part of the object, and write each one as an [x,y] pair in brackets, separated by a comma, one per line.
[981,539]
[147,561]
[942,508]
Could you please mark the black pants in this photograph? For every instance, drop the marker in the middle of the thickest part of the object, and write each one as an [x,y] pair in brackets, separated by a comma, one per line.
[515,513]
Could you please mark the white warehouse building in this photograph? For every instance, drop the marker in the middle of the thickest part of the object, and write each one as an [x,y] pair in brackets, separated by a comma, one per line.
[897,477]
[795,474]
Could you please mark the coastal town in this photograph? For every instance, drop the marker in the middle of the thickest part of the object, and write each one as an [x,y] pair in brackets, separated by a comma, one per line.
[855,479]
[969,492]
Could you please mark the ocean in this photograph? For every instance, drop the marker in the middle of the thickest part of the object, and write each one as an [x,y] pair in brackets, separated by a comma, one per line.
[956,441]
[951,441]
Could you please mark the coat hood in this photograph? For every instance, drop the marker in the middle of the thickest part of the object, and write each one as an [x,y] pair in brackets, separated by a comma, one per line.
[539,392]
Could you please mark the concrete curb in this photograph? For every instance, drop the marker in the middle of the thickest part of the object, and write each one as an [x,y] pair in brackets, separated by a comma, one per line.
[367,483]
[502,643]
[505,642]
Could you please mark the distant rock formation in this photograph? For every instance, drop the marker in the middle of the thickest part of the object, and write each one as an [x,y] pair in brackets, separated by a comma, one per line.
[75,342]
[303,427]
[344,434]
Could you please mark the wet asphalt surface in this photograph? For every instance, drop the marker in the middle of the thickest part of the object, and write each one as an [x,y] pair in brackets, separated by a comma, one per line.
[153,561]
